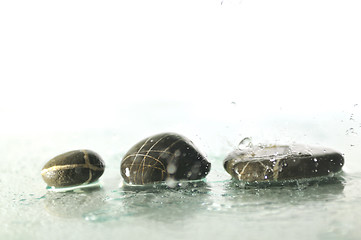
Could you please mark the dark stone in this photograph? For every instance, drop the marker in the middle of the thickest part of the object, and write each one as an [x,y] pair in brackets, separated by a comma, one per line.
[267,163]
[162,157]
[73,168]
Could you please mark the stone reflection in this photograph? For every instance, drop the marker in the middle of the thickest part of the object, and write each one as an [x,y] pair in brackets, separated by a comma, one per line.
[74,204]
[283,193]
[168,204]
[156,202]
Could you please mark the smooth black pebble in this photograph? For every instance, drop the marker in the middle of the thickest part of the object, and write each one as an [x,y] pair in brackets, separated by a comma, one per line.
[162,157]
[266,163]
[73,168]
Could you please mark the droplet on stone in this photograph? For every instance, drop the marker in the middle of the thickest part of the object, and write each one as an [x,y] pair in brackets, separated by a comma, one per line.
[177,153]
[254,164]
[171,182]
[245,143]
[171,168]
[163,156]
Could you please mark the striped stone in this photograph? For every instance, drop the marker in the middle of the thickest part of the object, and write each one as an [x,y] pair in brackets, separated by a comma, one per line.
[273,163]
[162,157]
[73,168]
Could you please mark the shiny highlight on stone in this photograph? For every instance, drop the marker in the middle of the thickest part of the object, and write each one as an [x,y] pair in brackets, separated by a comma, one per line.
[73,168]
[163,157]
[273,163]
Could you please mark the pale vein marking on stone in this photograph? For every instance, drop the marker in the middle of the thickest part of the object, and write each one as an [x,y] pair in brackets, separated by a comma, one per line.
[263,165]
[276,169]
[144,155]
[143,160]
[172,145]
[157,151]
[152,166]
[69,166]
[171,154]
[136,155]
[265,172]
[165,150]
[243,169]
[87,163]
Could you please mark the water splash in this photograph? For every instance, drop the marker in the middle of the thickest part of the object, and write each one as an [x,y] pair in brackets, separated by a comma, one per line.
[351,131]
[171,182]
[245,143]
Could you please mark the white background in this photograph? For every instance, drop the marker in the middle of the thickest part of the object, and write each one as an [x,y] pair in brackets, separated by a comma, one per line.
[74,64]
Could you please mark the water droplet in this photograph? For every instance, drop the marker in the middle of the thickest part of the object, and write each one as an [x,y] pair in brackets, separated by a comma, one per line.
[171,168]
[245,143]
[171,182]
[351,131]
[90,217]
[177,153]
[265,177]
[309,151]
[316,163]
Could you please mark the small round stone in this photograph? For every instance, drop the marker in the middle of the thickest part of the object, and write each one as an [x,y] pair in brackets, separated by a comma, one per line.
[73,168]
[267,163]
[164,157]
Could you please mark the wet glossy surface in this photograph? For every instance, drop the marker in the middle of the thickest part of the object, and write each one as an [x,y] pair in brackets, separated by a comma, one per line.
[103,75]
[73,168]
[163,157]
[214,208]
[278,163]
